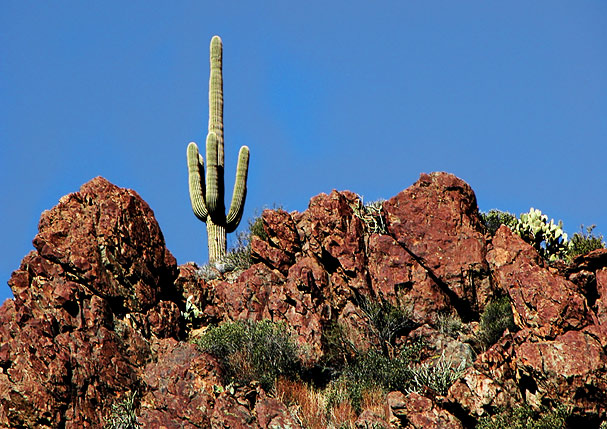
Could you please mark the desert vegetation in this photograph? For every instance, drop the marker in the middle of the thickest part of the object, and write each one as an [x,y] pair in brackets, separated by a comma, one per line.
[548,237]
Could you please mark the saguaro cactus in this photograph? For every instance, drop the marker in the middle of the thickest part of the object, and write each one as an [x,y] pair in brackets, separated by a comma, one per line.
[208,198]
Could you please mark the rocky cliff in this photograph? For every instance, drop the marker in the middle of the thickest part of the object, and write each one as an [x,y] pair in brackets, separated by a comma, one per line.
[97,313]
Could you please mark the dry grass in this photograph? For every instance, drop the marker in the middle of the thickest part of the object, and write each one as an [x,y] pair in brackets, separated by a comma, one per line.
[375,400]
[314,410]
[305,403]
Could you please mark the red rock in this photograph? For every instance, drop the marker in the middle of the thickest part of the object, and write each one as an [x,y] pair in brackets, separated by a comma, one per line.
[282,243]
[75,333]
[228,413]
[272,413]
[370,419]
[542,301]
[490,383]
[571,369]
[179,387]
[97,311]
[436,220]
[422,413]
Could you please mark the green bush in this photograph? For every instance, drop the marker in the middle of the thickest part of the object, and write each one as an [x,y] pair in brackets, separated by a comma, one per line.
[496,218]
[525,417]
[386,321]
[251,351]
[256,228]
[450,325]
[584,242]
[373,369]
[495,319]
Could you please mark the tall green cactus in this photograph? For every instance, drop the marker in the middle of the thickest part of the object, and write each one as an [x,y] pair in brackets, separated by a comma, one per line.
[208,199]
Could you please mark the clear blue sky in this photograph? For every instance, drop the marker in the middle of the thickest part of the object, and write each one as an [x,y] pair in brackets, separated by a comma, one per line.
[359,95]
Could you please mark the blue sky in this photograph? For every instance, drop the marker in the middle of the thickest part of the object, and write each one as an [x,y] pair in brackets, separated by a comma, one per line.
[509,96]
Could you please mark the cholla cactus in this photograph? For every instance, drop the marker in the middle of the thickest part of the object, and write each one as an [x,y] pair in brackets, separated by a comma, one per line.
[207,196]
[547,237]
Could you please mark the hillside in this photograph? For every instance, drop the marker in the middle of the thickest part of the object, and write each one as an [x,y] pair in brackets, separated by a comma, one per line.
[104,321]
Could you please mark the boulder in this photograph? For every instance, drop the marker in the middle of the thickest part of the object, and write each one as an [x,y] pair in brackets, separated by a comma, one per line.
[88,300]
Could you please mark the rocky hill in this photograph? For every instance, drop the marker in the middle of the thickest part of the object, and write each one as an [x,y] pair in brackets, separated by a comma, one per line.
[98,315]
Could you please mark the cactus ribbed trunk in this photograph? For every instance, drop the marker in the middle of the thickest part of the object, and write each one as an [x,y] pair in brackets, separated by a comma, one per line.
[207,196]
[217,241]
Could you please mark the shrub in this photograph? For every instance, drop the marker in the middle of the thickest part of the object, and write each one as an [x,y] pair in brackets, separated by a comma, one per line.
[386,321]
[123,414]
[450,325]
[256,228]
[372,370]
[371,214]
[496,318]
[525,417]
[585,242]
[192,313]
[496,218]
[250,351]
[436,377]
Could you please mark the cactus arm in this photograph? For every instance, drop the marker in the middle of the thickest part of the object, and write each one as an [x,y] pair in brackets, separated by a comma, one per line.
[240,191]
[196,182]
[214,195]
[216,95]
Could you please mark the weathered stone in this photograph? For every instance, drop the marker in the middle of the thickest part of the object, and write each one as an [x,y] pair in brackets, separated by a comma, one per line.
[76,332]
[541,300]
[437,222]
[422,413]
[282,243]
[271,413]
[97,312]
[179,387]
[570,369]
[490,383]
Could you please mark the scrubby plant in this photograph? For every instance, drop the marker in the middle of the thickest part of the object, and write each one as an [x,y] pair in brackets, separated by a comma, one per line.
[256,228]
[584,242]
[448,324]
[123,414]
[372,369]
[306,404]
[495,319]
[371,214]
[548,238]
[524,417]
[437,376]
[496,218]
[386,321]
[207,193]
[375,370]
[250,351]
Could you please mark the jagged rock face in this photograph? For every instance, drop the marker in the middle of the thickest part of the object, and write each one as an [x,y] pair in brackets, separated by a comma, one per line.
[558,356]
[96,313]
[316,265]
[87,301]
[436,222]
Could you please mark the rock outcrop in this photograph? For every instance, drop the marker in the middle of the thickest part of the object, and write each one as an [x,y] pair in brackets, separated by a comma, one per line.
[97,312]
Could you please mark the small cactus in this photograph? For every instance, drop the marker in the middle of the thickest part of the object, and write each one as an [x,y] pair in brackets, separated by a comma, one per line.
[207,197]
[547,237]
